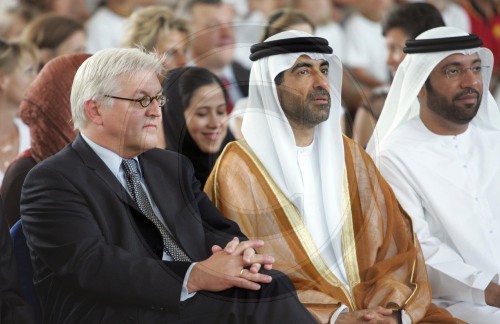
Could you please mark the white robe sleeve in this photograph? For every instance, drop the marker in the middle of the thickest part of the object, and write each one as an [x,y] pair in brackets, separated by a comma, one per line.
[451,278]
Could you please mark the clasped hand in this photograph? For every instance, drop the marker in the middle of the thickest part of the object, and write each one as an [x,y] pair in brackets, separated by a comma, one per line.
[236,265]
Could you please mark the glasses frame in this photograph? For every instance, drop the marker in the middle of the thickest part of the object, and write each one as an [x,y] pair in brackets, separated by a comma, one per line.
[148,99]
[461,71]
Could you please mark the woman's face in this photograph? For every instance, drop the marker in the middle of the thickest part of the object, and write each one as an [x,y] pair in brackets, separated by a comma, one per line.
[206,118]
[18,81]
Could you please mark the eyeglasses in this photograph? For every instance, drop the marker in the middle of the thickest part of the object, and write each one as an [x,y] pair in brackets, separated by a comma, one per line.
[453,72]
[145,101]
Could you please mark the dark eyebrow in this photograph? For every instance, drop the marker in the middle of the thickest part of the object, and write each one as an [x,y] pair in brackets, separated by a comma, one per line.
[300,65]
[307,64]
[478,60]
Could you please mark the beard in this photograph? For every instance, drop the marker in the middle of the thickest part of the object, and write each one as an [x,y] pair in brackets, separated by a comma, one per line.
[461,114]
[305,112]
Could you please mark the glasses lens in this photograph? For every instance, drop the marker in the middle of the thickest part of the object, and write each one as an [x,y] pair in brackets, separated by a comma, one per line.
[162,100]
[145,101]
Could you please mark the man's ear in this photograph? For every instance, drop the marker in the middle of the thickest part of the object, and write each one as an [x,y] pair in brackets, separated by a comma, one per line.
[93,112]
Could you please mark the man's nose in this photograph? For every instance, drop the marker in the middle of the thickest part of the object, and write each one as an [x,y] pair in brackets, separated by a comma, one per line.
[321,81]
[469,78]
[153,109]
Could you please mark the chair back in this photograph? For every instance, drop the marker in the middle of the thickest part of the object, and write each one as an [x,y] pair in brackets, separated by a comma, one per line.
[25,269]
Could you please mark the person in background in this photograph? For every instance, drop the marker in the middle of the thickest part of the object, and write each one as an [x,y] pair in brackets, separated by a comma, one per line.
[55,35]
[74,9]
[403,22]
[212,46]
[120,231]
[366,53]
[18,66]
[106,24]
[14,19]
[46,110]
[252,16]
[157,29]
[195,117]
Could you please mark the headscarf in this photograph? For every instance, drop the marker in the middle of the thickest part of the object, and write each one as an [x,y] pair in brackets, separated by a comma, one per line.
[269,134]
[46,106]
[174,124]
[402,102]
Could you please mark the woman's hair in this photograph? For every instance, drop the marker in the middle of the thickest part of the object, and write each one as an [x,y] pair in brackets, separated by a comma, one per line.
[13,53]
[144,27]
[50,30]
[282,19]
[189,79]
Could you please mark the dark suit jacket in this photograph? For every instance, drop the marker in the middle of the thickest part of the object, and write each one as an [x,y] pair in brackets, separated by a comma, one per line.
[242,76]
[95,255]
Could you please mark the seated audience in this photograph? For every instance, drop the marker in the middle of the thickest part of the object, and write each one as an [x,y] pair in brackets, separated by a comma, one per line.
[55,35]
[13,20]
[120,231]
[365,51]
[195,117]
[251,17]
[212,45]
[106,25]
[157,29]
[437,144]
[47,112]
[18,62]
[75,9]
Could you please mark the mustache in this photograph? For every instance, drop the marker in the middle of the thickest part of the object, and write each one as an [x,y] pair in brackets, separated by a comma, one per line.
[319,92]
[466,92]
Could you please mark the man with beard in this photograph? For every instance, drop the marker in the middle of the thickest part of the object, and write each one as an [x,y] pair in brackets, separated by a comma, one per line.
[437,144]
[329,218]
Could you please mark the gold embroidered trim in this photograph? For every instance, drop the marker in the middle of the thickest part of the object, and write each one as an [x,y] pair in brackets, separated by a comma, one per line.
[302,233]
[348,240]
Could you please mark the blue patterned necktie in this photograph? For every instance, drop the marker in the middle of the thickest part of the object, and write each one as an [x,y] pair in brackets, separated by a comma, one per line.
[135,188]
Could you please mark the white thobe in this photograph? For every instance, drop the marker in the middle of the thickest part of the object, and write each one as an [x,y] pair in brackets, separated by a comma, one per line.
[450,186]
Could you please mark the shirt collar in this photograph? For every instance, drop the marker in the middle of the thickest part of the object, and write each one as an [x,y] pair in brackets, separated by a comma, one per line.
[112,160]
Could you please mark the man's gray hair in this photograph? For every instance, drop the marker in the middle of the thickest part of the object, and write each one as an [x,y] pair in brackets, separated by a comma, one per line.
[98,76]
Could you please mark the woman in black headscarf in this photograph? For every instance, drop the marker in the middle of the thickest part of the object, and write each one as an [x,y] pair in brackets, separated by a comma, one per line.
[195,117]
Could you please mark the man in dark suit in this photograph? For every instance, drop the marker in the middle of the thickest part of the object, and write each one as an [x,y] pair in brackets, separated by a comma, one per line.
[120,231]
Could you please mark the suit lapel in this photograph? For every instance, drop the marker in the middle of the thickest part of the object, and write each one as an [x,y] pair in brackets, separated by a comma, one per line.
[94,163]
